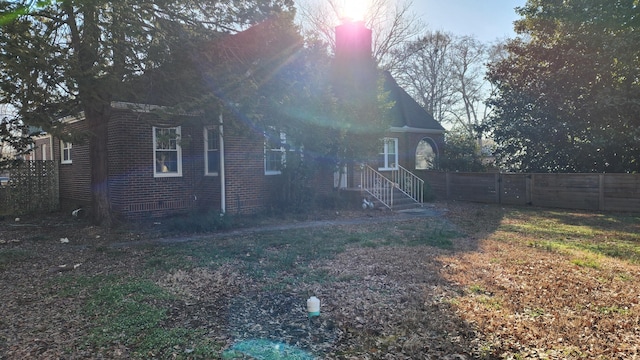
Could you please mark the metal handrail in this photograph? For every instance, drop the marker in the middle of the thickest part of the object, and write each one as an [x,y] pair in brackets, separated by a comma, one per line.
[409,183]
[377,185]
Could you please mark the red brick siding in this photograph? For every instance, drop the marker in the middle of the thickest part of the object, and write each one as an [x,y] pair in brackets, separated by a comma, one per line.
[74,178]
[323,182]
[135,192]
[248,188]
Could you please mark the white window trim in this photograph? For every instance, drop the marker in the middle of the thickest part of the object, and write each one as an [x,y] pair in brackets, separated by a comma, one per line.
[385,152]
[178,150]
[206,151]
[65,146]
[283,140]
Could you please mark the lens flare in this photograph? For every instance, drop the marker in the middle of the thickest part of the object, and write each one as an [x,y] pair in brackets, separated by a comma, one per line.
[354,10]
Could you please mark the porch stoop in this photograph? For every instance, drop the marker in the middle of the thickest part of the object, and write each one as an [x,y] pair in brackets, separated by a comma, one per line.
[400,201]
[401,191]
[403,202]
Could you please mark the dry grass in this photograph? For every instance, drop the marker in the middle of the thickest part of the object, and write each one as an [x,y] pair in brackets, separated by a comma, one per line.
[541,285]
[480,282]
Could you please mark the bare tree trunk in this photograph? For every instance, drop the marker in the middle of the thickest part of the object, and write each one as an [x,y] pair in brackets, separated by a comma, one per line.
[97,118]
[94,94]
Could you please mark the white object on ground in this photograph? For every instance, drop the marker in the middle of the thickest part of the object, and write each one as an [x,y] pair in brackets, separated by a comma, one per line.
[313,306]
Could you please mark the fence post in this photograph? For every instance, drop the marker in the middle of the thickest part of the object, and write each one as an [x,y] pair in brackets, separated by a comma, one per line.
[601,192]
[447,181]
[498,185]
[529,189]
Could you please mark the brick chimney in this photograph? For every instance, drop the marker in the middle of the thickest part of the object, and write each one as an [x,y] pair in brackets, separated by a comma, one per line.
[354,73]
[353,41]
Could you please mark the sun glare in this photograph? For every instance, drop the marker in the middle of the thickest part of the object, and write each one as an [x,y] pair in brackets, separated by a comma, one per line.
[354,9]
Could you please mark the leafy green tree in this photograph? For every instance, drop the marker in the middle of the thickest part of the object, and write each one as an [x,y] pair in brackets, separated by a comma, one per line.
[59,58]
[568,90]
[463,153]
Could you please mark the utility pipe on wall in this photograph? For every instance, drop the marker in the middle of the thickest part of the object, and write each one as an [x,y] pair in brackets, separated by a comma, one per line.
[223,191]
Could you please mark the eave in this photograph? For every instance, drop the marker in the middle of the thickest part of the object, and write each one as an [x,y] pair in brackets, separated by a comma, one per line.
[407,129]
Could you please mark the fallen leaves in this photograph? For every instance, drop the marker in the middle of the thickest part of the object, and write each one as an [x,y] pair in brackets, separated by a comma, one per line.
[483,299]
[548,304]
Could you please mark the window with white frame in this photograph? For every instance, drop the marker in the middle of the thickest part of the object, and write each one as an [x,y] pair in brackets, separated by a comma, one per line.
[274,152]
[65,152]
[167,153]
[389,154]
[211,151]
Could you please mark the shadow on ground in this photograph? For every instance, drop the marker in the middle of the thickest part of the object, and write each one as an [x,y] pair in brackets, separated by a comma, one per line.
[383,298]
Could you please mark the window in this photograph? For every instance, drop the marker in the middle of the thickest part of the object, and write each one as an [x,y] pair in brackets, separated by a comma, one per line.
[44,149]
[167,153]
[274,153]
[425,155]
[65,152]
[389,154]
[211,151]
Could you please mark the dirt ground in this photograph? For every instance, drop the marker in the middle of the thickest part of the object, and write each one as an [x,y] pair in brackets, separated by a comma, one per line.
[485,299]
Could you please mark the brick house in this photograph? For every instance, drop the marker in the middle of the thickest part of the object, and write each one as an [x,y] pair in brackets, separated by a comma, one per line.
[161,165]
[415,140]
[158,167]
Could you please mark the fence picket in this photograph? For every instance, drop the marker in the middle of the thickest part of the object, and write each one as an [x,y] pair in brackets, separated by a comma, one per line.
[32,188]
[611,192]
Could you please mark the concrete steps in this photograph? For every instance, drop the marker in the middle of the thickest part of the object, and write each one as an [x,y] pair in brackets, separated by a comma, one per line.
[400,202]
[403,202]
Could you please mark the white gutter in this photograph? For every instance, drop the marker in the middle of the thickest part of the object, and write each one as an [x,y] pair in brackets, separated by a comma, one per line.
[223,191]
[405,128]
[148,108]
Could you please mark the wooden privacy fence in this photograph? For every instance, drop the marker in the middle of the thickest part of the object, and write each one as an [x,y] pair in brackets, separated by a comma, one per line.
[32,188]
[607,192]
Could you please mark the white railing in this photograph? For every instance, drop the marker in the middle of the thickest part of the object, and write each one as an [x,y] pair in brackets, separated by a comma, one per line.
[382,187]
[377,185]
[408,183]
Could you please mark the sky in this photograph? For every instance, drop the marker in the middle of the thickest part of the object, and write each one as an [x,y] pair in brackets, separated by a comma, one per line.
[488,20]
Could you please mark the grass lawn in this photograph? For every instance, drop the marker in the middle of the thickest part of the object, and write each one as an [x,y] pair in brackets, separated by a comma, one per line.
[478,282]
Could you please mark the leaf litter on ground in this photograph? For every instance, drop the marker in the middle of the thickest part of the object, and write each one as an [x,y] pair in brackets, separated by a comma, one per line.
[499,290]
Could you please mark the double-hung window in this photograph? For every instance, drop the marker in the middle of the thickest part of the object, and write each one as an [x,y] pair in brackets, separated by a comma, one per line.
[389,154]
[167,153]
[211,151]
[274,152]
[65,152]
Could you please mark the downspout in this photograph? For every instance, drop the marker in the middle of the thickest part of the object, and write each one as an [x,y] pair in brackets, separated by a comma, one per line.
[50,154]
[223,191]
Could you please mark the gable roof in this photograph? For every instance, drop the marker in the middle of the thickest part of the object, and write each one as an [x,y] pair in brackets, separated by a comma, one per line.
[406,112]
[217,65]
